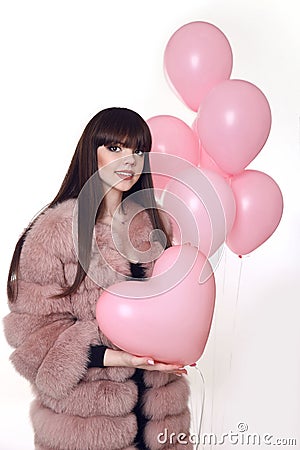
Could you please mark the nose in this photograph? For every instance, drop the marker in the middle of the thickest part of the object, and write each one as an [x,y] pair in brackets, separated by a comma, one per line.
[130,159]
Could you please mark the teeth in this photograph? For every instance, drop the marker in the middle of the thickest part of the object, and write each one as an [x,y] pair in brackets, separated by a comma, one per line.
[126,174]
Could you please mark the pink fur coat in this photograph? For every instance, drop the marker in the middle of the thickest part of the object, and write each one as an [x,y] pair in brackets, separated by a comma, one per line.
[77,408]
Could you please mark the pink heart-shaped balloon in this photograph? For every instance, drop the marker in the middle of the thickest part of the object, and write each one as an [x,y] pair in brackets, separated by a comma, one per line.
[167,317]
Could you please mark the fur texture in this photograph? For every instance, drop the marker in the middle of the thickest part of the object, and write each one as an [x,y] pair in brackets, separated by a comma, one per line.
[78,408]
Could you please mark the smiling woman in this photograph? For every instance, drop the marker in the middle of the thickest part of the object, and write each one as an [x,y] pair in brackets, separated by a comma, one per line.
[89,393]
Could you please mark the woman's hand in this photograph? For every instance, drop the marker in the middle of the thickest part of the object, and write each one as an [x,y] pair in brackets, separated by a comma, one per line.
[119,358]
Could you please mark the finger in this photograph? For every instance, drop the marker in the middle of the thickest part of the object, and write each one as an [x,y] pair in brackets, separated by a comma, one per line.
[167,367]
[181,371]
[142,361]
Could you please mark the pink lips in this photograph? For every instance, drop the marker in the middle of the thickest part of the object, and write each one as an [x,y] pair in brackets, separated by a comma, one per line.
[125,174]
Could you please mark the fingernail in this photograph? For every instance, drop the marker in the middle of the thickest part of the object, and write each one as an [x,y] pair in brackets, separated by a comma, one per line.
[151,362]
[193,365]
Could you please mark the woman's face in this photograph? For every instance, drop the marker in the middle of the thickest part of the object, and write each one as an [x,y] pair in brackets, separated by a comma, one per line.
[120,166]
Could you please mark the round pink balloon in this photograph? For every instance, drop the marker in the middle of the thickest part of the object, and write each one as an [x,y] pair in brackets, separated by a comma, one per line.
[171,327]
[172,136]
[233,124]
[259,206]
[197,57]
[202,205]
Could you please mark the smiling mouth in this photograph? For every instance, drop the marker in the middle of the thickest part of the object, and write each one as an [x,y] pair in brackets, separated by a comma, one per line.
[125,175]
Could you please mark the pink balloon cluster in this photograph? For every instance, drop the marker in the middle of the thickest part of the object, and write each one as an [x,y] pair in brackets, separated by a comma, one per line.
[232,124]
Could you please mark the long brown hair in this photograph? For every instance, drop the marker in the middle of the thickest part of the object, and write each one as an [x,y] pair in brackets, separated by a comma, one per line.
[109,126]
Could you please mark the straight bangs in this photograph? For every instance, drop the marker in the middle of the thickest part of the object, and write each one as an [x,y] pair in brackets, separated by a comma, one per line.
[125,127]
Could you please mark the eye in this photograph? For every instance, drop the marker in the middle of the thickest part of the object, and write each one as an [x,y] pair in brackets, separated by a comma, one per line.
[139,152]
[114,148]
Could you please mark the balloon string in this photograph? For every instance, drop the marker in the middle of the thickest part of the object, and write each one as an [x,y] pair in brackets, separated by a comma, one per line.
[235,311]
[233,335]
[215,346]
[224,272]
[195,418]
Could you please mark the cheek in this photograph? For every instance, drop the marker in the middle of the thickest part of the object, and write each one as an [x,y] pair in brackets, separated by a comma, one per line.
[105,158]
[139,168]
[107,163]
[106,167]
[140,164]
[101,160]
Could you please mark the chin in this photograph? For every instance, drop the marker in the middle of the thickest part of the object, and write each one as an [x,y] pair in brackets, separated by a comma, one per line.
[125,185]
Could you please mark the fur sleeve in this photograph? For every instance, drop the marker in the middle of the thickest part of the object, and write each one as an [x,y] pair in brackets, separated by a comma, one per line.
[51,345]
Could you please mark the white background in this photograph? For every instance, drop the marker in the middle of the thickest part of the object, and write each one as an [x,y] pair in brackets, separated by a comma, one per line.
[62,62]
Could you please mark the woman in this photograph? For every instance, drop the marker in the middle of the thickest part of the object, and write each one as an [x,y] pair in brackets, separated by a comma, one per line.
[90,395]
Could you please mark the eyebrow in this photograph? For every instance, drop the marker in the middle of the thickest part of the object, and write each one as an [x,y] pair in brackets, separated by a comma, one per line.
[121,144]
